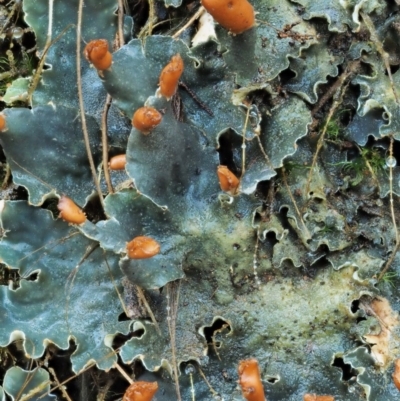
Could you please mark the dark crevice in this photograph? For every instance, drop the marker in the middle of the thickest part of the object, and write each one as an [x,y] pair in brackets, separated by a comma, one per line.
[209,332]
[271,238]
[94,211]
[121,339]
[286,75]
[348,372]
[355,306]
[229,145]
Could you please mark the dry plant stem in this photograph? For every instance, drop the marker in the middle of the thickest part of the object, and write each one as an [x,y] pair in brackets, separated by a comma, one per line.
[123,373]
[115,287]
[173,289]
[55,242]
[104,137]
[104,141]
[73,274]
[192,388]
[81,105]
[255,262]
[85,369]
[379,46]
[10,15]
[7,177]
[294,202]
[62,388]
[213,392]
[143,299]
[46,47]
[196,98]
[38,72]
[333,89]
[120,23]
[193,18]
[148,28]
[103,391]
[32,175]
[397,246]
[341,91]
[244,142]
[368,164]
[34,391]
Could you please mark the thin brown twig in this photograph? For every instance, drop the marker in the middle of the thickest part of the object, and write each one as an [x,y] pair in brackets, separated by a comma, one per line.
[104,141]
[213,392]
[38,72]
[121,40]
[173,289]
[337,102]
[81,104]
[284,179]
[115,286]
[62,388]
[193,18]
[123,373]
[143,299]
[333,89]
[244,142]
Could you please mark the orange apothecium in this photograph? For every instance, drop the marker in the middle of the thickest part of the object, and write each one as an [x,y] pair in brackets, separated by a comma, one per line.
[142,248]
[146,118]
[250,380]
[70,211]
[235,15]
[169,77]
[140,391]
[96,52]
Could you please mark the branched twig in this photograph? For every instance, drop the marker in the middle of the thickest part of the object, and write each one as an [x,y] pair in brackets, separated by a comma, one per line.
[81,105]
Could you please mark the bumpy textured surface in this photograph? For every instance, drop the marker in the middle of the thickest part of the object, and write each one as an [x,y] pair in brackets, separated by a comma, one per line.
[285,271]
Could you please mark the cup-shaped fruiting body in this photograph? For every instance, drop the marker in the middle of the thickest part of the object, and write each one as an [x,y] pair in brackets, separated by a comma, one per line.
[146,118]
[227,180]
[142,248]
[117,162]
[169,77]
[3,124]
[96,52]
[314,397]
[70,212]
[235,15]
[140,391]
[250,380]
[396,373]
